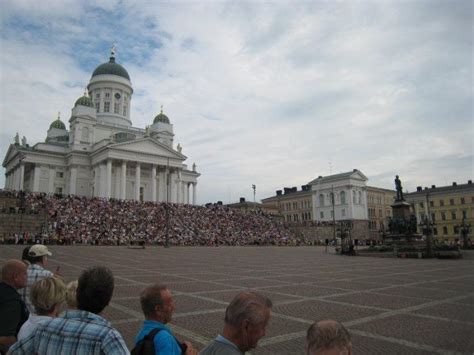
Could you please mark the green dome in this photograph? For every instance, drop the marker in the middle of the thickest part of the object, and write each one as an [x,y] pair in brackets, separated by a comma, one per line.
[84,101]
[161,117]
[58,124]
[111,68]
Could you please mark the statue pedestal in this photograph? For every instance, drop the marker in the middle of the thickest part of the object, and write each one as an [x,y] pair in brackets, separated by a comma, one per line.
[401,210]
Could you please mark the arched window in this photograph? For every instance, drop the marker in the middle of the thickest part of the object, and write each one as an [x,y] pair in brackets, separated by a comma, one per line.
[354,197]
[321,200]
[343,197]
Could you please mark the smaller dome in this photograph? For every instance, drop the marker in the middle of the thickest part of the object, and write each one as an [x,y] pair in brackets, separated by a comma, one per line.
[58,124]
[161,117]
[84,101]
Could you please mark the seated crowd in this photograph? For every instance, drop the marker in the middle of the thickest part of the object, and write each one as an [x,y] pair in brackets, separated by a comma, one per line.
[79,219]
[81,329]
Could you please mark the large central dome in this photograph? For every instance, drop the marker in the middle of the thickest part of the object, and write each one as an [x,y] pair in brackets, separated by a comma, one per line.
[111,68]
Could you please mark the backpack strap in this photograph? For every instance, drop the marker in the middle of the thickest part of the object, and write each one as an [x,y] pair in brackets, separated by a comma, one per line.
[151,335]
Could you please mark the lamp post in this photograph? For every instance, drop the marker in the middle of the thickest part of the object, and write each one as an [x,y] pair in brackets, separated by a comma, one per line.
[464,232]
[254,188]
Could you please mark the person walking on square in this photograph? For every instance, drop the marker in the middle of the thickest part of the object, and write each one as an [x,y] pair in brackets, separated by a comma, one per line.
[13,311]
[246,320]
[38,257]
[328,337]
[158,307]
[81,331]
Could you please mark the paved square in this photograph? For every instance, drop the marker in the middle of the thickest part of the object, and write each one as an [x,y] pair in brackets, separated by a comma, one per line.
[390,306]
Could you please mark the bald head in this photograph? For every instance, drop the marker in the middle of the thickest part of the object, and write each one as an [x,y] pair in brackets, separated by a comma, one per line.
[328,337]
[14,273]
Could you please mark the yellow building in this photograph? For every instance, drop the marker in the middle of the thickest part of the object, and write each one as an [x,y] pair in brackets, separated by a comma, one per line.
[446,207]
[291,204]
[379,202]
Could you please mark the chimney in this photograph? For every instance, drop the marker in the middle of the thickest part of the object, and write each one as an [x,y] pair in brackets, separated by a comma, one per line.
[469,182]
[320,177]
[219,203]
[278,192]
[242,200]
[287,190]
[294,189]
[419,188]
[426,188]
[433,186]
[454,183]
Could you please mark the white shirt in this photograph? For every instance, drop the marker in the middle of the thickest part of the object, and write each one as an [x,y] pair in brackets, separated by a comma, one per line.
[30,325]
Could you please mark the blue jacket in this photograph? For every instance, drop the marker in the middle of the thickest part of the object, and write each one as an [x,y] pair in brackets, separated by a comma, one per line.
[165,342]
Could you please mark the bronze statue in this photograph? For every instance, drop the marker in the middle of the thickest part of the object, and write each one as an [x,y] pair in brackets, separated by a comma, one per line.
[398,187]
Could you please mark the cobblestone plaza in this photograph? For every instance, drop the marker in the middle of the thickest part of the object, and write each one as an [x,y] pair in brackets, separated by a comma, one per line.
[390,306]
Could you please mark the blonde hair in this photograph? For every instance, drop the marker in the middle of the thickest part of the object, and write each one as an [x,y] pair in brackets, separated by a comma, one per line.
[71,294]
[46,293]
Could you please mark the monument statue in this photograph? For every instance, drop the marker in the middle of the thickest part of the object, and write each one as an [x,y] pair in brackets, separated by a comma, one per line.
[23,141]
[17,138]
[398,187]
[194,166]
[179,148]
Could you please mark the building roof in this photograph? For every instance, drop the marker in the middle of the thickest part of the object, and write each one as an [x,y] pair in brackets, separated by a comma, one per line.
[111,68]
[161,117]
[340,176]
[84,100]
[57,124]
[441,189]
[287,196]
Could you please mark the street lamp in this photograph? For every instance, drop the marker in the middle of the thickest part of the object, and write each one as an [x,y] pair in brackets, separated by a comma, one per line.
[254,187]
[464,230]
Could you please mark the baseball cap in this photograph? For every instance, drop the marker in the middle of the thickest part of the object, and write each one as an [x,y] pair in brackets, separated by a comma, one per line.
[39,250]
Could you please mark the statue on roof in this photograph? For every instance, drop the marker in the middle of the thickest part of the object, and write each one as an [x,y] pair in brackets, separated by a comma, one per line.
[113,50]
[179,148]
[23,141]
[194,166]
[17,138]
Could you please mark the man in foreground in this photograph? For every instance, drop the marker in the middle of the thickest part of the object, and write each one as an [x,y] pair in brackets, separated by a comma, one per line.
[328,337]
[81,331]
[158,307]
[13,311]
[246,320]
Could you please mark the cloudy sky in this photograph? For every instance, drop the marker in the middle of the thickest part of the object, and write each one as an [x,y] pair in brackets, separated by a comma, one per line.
[266,93]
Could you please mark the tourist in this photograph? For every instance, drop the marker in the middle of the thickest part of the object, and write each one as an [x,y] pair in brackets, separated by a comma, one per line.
[158,307]
[38,257]
[81,331]
[47,296]
[328,337]
[246,320]
[13,311]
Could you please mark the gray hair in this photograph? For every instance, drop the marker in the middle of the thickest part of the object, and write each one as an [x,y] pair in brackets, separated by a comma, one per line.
[247,305]
[326,335]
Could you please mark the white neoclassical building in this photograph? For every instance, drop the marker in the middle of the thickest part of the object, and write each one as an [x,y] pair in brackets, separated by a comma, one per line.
[340,197]
[102,154]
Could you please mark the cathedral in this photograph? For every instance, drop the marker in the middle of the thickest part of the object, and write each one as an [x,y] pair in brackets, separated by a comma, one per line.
[102,154]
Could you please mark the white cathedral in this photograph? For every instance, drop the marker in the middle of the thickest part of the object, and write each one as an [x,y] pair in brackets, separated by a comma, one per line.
[102,155]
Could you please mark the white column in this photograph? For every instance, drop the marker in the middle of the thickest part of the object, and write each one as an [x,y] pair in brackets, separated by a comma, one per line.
[52,177]
[118,174]
[167,186]
[194,192]
[187,193]
[123,181]
[22,176]
[73,180]
[137,182]
[108,183]
[36,177]
[153,183]
[178,188]
[102,179]
[96,181]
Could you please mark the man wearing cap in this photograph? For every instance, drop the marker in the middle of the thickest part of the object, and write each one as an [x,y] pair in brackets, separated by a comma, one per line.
[38,255]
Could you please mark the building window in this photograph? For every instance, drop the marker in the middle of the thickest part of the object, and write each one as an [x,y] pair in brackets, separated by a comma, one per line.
[97,96]
[453,215]
[380,213]
[321,200]
[451,202]
[441,203]
[464,214]
[59,190]
[443,216]
[125,110]
[431,204]
[433,219]
[360,198]
[422,205]
[435,231]
[463,201]
[321,214]
[343,212]
[354,197]
[343,197]
[107,94]
[97,106]
[59,174]
[116,108]
[445,230]
[106,106]
[456,229]
[332,214]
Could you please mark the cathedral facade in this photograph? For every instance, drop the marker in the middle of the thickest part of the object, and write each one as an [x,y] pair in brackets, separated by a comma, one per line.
[102,154]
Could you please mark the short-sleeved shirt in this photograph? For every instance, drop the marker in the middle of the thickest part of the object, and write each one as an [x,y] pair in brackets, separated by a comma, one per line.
[35,272]
[75,332]
[165,342]
[12,310]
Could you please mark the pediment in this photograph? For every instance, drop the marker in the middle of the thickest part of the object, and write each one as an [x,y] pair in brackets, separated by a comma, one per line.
[147,146]
[12,151]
